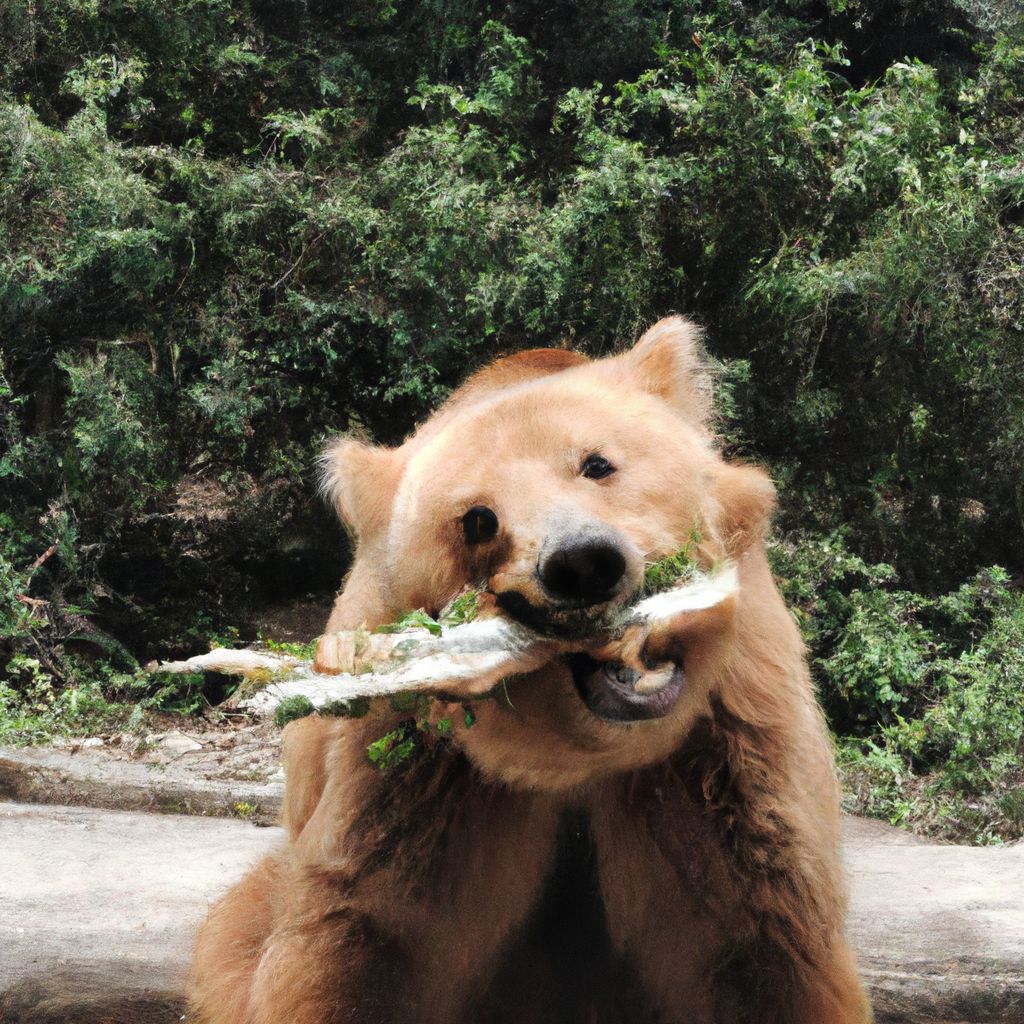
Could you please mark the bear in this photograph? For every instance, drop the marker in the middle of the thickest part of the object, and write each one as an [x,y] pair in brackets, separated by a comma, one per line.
[574,849]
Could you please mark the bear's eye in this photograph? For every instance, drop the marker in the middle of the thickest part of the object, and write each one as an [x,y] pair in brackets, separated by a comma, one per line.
[479,525]
[596,467]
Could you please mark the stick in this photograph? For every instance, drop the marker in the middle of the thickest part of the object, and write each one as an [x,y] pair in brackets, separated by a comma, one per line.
[232,662]
[467,661]
[463,662]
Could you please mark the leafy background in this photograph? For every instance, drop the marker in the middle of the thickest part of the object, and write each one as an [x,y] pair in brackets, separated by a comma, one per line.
[229,228]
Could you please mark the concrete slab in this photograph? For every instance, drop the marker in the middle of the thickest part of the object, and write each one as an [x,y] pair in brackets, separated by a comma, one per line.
[196,781]
[98,902]
[99,908]
[939,929]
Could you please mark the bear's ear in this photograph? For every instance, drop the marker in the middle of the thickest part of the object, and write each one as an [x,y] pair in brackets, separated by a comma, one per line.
[746,497]
[360,481]
[668,361]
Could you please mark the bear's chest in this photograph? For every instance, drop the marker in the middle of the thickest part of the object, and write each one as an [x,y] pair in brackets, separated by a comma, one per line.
[561,966]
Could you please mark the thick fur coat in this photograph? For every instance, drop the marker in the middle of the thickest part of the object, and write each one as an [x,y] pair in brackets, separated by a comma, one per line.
[678,865]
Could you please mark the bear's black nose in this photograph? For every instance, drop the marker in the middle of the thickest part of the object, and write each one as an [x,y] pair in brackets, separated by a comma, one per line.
[585,571]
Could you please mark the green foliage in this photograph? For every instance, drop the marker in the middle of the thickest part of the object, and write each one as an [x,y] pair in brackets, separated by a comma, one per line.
[667,572]
[180,694]
[394,747]
[244,810]
[304,652]
[34,707]
[462,610]
[227,230]
[926,690]
[78,696]
[416,619]
[291,708]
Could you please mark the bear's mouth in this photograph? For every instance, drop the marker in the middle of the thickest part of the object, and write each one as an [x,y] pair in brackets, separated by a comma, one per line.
[566,622]
[609,690]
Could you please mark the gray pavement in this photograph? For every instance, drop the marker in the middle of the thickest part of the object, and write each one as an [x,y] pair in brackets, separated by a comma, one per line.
[99,907]
[97,902]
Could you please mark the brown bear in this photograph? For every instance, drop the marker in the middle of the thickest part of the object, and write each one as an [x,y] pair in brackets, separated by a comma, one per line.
[578,849]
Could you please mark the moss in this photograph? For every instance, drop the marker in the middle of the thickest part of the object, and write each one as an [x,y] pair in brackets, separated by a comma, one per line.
[292,708]
[674,569]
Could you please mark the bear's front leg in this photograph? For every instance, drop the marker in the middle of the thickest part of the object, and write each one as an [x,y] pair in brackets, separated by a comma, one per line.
[400,892]
[721,882]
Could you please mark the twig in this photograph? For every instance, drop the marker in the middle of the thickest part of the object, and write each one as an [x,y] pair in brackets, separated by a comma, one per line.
[302,255]
[51,550]
[36,602]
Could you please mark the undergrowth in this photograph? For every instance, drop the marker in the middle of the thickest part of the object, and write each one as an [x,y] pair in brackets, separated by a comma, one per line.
[230,229]
[925,693]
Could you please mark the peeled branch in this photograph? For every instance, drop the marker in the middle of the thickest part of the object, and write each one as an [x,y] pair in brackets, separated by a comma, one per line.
[467,661]
[231,662]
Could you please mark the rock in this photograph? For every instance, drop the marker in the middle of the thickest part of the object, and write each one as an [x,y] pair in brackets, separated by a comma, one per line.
[101,907]
[176,743]
[939,930]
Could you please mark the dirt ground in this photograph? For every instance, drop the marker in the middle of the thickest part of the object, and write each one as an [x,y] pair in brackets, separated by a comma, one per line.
[218,747]
[219,765]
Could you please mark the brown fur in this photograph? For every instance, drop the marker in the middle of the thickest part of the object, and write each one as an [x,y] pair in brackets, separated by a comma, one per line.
[545,864]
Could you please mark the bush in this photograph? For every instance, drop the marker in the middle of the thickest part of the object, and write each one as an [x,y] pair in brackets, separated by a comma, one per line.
[230,229]
[925,691]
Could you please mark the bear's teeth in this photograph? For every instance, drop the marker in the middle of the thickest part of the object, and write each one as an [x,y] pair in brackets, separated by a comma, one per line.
[655,680]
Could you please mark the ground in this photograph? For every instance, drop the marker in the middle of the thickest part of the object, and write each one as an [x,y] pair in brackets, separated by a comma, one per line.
[106,900]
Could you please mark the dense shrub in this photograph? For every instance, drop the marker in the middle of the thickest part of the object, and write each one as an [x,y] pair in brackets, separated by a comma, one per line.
[925,691]
[230,227]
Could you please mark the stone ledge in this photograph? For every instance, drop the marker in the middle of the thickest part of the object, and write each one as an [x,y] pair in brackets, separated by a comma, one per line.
[46,775]
[939,929]
[98,922]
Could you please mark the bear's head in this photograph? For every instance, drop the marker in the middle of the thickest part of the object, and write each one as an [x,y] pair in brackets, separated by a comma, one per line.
[552,481]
